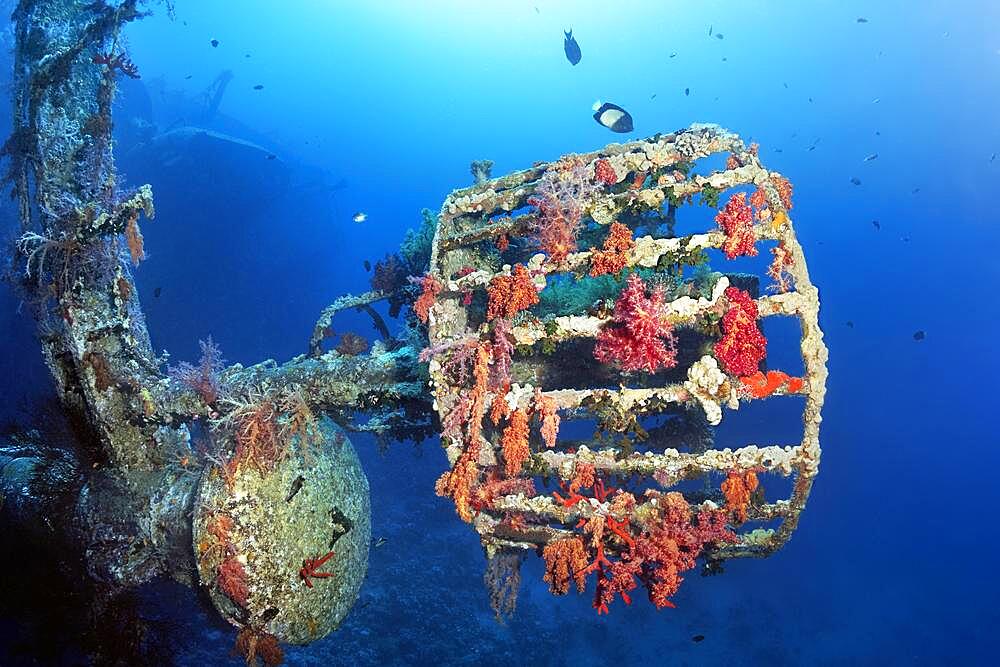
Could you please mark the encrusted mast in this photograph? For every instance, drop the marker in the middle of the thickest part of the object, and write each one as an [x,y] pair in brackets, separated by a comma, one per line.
[240,479]
[520,337]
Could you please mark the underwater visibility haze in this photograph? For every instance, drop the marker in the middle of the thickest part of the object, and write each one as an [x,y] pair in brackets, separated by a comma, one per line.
[548,332]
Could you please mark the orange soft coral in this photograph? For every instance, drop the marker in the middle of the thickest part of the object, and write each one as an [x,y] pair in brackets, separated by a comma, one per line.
[232,580]
[614,257]
[738,488]
[430,288]
[760,385]
[548,414]
[565,560]
[508,295]
[514,442]
[777,271]
[457,483]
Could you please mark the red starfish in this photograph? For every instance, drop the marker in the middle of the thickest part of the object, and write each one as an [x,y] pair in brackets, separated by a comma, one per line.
[310,567]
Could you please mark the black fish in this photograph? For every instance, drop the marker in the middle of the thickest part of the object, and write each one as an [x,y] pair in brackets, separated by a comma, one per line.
[673,55]
[296,487]
[156,292]
[271,156]
[993,157]
[919,334]
[862,20]
[873,156]
[188,77]
[915,191]
[259,86]
[687,91]
[709,31]
[572,49]
[876,225]
[718,35]
[214,43]
[698,638]
[856,180]
[613,117]
[368,265]
[850,324]
[653,96]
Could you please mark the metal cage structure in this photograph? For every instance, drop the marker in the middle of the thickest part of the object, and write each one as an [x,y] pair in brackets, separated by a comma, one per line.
[534,357]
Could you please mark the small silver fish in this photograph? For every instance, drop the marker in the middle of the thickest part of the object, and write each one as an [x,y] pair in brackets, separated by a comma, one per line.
[360,216]
[871,157]
[380,542]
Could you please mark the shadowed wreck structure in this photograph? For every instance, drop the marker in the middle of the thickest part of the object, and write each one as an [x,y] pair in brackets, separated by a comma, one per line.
[535,304]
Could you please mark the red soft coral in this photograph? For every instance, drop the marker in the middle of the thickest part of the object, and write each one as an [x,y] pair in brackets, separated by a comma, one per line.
[644,339]
[508,295]
[736,221]
[672,545]
[604,172]
[743,346]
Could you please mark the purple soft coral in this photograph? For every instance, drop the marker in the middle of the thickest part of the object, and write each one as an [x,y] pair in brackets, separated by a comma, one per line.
[203,378]
[561,196]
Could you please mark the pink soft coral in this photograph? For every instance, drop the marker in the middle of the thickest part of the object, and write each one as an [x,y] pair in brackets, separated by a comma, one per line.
[561,197]
[644,339]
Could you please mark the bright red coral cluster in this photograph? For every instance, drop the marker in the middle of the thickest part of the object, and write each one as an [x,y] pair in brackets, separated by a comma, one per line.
[742,346]
[736,221]
[760,385]
[614,257]
[508,295]
[643,339]
[604,172]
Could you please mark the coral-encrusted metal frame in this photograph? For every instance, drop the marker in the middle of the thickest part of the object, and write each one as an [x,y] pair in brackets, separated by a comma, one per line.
[497,207]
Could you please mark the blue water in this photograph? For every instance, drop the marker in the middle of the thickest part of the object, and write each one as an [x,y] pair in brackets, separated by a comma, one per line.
[380,106]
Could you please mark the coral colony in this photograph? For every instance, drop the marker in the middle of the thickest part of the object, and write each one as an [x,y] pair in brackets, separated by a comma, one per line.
[566,279]
[551,337]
